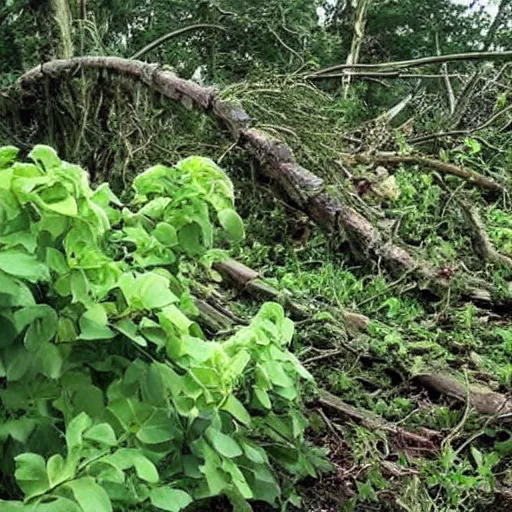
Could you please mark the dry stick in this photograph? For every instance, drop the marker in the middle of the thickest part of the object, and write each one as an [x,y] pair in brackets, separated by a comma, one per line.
[442,167]
[404,64]
[373,422]
[250,281]
[277,162]
[170,35]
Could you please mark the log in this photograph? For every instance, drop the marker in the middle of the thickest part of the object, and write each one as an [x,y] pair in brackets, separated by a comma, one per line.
[483,400]
[276,160]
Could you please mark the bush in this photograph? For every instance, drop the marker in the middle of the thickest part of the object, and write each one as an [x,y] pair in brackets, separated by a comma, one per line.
[112,394]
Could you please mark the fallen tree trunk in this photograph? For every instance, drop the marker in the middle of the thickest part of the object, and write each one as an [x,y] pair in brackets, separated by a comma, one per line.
[277,161]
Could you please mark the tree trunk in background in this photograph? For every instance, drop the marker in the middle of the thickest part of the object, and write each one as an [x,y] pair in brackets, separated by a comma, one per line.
[361,7]
[62,14]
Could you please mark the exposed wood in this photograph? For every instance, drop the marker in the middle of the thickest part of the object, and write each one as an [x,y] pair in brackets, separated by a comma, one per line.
[484,401]
[443,167]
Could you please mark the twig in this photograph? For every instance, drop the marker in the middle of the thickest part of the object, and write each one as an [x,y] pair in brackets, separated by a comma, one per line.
[448,439]
[374,422]
[170,35]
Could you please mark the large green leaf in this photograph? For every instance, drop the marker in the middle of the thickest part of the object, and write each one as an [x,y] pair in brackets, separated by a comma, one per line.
[126,458]
[223,443]
[90,496]
[233,224]
[158,428]
[31,474]
[26,266]
[167,498]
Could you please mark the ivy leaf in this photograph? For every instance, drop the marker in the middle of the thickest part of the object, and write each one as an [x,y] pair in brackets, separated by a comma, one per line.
[238,478]
[126,458]
[75,430]
[31,474]
[26,266]
[19,429]
[89,495]
[158,428]
[48,360]
[103,434]
[45,156]
[166,234]
[167,498]
[263,398]
[14,293]
[8,156]
[8,331]
[190,239]
[93,324]
[59,470]
[130,330]
[42,325]
[237,410]
[233,224]
[224,444]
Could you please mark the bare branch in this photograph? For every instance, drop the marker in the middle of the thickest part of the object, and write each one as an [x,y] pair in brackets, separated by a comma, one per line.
[481,240]
[170,35]
[405,64]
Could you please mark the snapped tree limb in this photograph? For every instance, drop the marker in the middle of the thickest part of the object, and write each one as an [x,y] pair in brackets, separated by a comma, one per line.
[277,161]
[423,61]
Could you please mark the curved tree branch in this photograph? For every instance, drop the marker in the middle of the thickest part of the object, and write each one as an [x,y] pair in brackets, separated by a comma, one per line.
[404,64]
[170,35]
[277,161]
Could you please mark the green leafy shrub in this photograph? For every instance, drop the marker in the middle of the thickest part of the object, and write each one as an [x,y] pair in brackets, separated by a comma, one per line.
[112,395]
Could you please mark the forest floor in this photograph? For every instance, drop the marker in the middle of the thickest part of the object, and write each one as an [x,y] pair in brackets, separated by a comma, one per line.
[460,460]
[397,438]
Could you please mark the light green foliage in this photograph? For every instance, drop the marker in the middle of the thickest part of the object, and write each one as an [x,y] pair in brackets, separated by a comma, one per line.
[99,342]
